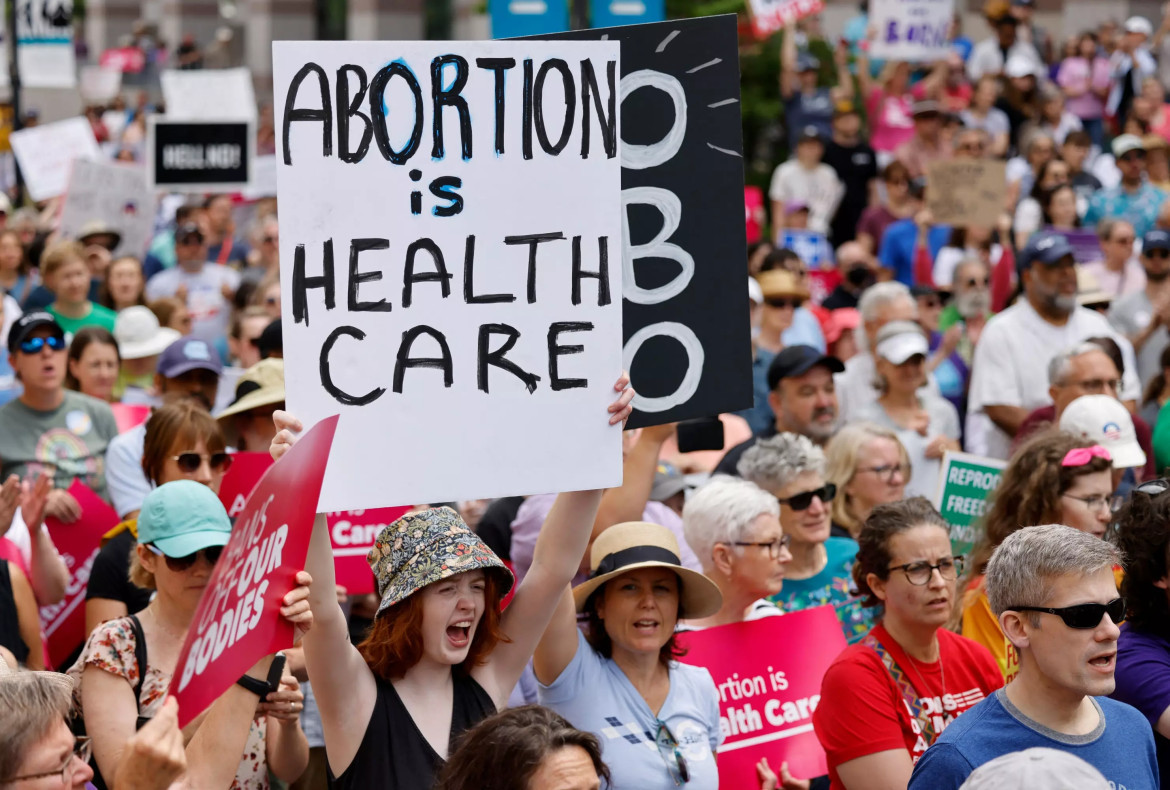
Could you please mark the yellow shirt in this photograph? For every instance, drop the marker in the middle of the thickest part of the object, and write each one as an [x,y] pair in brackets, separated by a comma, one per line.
[981,624]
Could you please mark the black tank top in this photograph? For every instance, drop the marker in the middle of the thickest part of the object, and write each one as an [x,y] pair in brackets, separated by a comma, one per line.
[394,755]
[9,621]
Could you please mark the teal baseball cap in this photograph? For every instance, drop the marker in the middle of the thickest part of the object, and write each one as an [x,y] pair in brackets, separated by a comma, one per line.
[182,517]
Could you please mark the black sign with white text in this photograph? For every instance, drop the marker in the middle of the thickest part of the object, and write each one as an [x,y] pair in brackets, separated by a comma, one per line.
[198,156]
[687,341]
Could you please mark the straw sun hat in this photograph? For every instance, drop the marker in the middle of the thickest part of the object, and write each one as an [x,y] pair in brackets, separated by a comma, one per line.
[637,544]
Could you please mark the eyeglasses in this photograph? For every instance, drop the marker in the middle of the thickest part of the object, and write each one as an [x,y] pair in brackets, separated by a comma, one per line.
[1083,615]
[782,302]
[973,282]
[773,546]
[887,471]
[180,564]
[676,764]
[1094,502]
[190,241]
[804,500]
[919,573]
[82,749]
[1158,254]
[190,462]
[34,345]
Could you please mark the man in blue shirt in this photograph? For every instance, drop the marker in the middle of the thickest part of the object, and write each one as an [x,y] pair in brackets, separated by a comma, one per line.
[1053,589]
[900,242]
[1135,199]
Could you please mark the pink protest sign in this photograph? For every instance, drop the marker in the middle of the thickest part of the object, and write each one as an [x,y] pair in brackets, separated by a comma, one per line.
[769,674]
[238,619]
[768,16]
[129,415]
[245,472]
[63,624]
[352,533]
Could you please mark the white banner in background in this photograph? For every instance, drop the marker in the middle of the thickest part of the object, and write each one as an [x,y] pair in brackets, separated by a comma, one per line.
[115,194]
[46,152]
[911,30]
[451,266]
[209,95]
[44,37]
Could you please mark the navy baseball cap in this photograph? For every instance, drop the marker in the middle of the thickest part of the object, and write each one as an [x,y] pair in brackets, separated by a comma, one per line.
[188,353]
[1046,248]
[798,360]
[807,63]
[29,323]
[1156,240]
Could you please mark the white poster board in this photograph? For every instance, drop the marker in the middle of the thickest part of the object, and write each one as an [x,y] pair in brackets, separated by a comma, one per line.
[46,152]
[911,30]
[263,178]
[209,95]
[99,84]
[114,193]
[44,37]
[430,300]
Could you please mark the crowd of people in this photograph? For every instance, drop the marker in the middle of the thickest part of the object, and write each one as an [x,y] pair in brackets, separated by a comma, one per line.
[533,642]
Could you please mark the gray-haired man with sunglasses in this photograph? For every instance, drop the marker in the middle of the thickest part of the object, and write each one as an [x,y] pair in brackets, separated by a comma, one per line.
[1054,592]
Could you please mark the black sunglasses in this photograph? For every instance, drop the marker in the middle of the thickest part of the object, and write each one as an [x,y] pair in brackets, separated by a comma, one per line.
[180,564]
[1163,254]
[1083,615]
[972,282]
[784,302]
[189,462]
[803,500]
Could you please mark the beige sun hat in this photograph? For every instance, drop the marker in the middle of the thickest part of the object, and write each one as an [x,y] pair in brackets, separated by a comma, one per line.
[260,385]
[639,544]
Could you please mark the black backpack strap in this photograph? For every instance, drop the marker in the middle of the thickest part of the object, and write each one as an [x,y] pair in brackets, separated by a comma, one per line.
[139,657]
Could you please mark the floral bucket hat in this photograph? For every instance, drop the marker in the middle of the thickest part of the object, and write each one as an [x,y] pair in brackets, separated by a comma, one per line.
[425,547]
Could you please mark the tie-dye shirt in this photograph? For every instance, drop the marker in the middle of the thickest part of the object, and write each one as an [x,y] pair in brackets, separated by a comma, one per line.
[831,586]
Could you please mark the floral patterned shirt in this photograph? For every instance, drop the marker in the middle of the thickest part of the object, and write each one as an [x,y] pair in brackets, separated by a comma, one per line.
[111,648]
[832,586]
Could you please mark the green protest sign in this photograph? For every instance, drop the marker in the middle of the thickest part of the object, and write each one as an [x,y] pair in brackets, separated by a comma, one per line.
[965,485]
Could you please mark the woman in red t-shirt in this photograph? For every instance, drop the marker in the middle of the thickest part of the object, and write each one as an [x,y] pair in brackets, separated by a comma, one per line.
[885,699]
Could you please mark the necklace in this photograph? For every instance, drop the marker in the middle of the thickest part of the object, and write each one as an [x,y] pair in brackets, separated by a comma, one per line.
[162,626]
[941,669]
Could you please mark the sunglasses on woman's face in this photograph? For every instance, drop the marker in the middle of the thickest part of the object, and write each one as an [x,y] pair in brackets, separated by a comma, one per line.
[803,500]
[782,302]
[180,564]
[190,462]
[1083,615]
[35,345]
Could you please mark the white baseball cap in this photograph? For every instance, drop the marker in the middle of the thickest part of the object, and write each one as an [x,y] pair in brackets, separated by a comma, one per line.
[897,341]
[1104,420]
[1139,24]
[1038,768]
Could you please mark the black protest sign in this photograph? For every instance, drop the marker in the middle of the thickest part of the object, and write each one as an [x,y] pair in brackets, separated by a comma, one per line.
[199,156]
[685,312]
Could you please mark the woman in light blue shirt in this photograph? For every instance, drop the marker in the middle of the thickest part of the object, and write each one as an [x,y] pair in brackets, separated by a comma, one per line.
[657,719]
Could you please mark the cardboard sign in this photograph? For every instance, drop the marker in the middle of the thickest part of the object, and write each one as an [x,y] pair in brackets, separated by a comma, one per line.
[685,313]
[450,265]
[117,195]
[966,191]
[767,690]
[63,623]
[129,415]
[352,534]
[965,484]
[199,156]
[238,618]
[913,30]
[99,84]
[209,94]
[768,16]
[44,38]
[46,152]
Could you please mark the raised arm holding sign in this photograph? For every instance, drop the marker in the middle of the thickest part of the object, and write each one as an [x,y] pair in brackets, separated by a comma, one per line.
[391,706]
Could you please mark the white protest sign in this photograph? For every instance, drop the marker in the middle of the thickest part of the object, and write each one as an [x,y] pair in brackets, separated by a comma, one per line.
[44,37]
[209,95]
[912,30]
[263,178]
[99,84]
[115,194]
[46,152]
[450,254]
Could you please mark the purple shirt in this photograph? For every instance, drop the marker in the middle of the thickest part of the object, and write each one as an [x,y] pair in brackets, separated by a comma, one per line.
[1076,74]
[1143,681]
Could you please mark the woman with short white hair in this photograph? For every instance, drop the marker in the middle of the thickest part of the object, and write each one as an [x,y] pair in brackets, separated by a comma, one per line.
[733,526]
